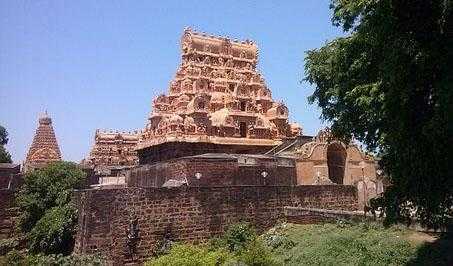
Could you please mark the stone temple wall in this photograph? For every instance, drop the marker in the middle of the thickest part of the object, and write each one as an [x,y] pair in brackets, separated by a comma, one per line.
[216,170]
[8,214]
[191,214]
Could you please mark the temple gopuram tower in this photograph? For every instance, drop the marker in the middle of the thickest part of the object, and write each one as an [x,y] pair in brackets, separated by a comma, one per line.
[113,148]
[44,148]
[218,102]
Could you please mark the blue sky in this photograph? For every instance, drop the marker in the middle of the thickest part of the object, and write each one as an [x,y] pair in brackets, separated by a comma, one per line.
[98,64]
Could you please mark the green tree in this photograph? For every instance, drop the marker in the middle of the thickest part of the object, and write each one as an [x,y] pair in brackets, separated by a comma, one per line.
[5,157]
[48,218]
[389,84]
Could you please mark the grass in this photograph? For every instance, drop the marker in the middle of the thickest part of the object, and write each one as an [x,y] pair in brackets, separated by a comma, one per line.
[359,244]
[321,244]
[292,244]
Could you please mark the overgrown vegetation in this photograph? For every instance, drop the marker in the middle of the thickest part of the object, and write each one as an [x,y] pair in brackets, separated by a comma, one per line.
[328,244]
[5,157]
[47,218]
[389,84]
[331,244]
[240,245]
[16,258]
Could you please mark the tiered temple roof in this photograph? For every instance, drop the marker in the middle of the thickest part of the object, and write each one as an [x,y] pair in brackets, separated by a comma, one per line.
[217,96]
[113,148]
[44,148]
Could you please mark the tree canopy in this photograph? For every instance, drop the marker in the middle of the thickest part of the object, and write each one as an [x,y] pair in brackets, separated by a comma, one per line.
[5,157]
[48,218]
[389,84]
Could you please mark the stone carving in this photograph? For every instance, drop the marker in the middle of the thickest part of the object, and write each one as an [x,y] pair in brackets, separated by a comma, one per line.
[44,148]
[132,235]
[323,136]
[229,81]
[113,149]
[163,245]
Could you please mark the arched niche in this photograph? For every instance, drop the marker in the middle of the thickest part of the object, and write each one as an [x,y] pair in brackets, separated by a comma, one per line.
[336,162]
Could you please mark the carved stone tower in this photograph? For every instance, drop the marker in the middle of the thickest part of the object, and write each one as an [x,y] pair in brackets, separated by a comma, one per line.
[113,148]
[44,148]
[217,102]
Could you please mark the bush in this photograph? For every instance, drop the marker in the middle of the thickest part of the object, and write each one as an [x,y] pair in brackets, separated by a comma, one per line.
[237,236]
[277,238]
[16,258]
[8,244]
[47,219]
[239,245]
[256,253]
[189,255]
[53,233]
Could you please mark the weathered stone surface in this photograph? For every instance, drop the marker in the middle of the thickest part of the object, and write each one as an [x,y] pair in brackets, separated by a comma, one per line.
[44,148]
[113,148]
[216,169]
[304,215]
[192,214]
[325,157]
[217,97]
[9,175]
[8,214]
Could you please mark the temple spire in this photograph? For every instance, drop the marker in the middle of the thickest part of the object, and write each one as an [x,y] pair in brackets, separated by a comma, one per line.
[44,148]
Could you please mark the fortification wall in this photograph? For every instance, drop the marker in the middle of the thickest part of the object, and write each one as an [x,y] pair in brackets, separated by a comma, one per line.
[192,214]
[8,214]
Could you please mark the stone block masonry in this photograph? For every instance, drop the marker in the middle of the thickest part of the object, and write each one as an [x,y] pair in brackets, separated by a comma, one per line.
[216,170]
[8,214]
[189,214]
[301,215]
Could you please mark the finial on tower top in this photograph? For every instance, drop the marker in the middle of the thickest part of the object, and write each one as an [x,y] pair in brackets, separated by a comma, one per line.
[44,118]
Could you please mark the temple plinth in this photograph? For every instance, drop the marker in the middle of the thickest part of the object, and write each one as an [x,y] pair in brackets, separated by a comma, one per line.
[217,102]
[44,148]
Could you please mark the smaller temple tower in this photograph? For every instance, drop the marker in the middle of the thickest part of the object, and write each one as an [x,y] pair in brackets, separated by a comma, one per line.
[44,148]
[113,149]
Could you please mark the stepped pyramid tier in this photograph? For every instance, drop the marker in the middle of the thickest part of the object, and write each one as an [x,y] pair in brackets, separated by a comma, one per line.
[44,148]
[219,98]
[113,148]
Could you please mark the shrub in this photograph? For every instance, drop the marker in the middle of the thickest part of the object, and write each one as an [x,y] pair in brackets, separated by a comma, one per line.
[256,253]
[53,233]
[8,244]
[239,245]
[237,236]
[189,255]
[47,219]
[16,258]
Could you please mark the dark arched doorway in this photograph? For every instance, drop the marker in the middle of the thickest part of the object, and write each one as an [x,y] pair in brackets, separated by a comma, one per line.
[336,161]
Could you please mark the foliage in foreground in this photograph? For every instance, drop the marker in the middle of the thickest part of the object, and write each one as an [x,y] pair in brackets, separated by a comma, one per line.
[240,245]
[16,258]
[389,84]
[5,157]
[48,218]
[331,244]
[328,244]
[181,254]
